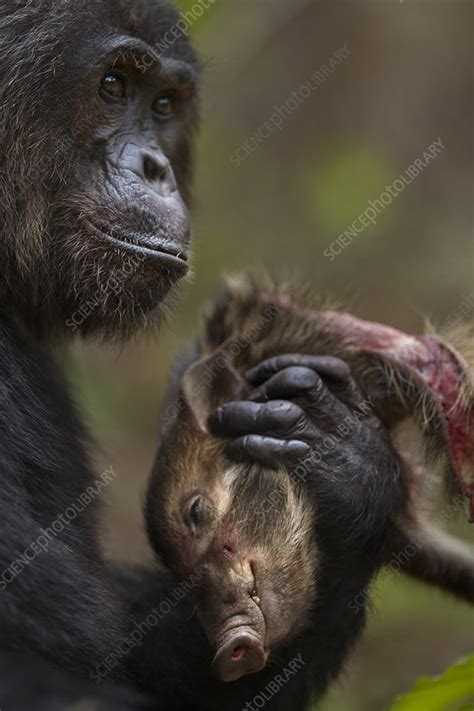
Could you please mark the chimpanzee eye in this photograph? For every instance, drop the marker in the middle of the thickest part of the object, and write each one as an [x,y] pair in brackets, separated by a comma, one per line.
[195,511]
[165,104]
[114,85]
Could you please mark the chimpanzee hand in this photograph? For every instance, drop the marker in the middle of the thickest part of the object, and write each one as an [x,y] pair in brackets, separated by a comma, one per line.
[307,413]
[298,403]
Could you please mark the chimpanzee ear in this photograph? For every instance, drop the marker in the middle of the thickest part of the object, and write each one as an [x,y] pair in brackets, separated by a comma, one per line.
[209,383]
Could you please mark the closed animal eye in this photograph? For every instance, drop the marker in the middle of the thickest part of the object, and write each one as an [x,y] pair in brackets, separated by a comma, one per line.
[195,511]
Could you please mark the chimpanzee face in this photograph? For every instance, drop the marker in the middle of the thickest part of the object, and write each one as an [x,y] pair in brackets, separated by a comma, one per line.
[109,157]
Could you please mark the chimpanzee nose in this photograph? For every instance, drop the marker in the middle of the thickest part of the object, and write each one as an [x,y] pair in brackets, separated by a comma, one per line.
[158,173]
[242,654]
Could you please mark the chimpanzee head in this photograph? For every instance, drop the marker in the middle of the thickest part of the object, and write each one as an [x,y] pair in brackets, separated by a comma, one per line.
[99,102]
[241,534]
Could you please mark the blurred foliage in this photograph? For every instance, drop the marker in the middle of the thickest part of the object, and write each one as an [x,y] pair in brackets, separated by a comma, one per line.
[337,185]
[408,79]
[412,631]
[445,693]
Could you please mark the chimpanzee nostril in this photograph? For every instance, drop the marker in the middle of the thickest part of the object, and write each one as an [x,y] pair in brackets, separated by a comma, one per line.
[151,170]
[158,173]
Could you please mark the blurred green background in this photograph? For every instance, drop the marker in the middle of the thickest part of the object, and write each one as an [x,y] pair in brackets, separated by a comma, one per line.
[406,82]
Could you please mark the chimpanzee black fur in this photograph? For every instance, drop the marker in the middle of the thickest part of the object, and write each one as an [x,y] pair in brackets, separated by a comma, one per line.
[99,103]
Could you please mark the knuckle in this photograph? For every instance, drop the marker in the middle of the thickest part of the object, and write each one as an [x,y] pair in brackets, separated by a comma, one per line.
[224,410]
[318,388]
[217,416]
[295,413]
[273,363]
[302,427]
[246,441]
[339,365]
[267,368]
[317,394]
[304,378]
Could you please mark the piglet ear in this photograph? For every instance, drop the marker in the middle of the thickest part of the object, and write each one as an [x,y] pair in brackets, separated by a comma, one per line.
[209,383]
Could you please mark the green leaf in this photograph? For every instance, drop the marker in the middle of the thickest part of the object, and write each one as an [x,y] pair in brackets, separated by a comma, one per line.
[444,693]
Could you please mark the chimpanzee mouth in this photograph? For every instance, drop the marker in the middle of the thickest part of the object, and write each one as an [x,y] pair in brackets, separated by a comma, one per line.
[146,246]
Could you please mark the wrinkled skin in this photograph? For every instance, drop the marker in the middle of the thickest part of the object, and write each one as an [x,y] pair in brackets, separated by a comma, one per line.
[104,177]
[95,181]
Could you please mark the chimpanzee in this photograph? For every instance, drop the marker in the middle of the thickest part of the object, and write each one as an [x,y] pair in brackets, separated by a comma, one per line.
[96,128]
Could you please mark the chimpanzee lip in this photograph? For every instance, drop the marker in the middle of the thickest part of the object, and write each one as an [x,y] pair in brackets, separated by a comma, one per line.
[144,245]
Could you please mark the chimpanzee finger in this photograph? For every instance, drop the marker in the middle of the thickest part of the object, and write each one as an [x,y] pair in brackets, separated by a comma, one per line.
[306,387]
[326,366]
[244,417]
[335,372]
[267,450]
